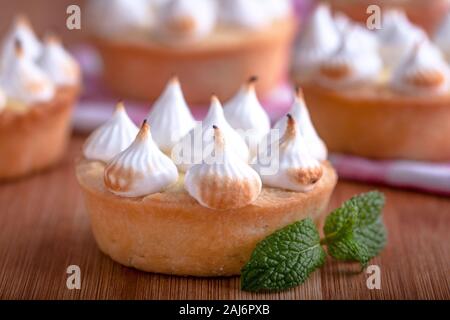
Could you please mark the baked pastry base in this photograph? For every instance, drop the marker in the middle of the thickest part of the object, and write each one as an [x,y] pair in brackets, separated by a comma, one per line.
[36,138]
[140,68]
[376,123]
[171,233]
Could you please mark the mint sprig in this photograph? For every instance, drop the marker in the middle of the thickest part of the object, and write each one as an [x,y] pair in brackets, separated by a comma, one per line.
[355,231]
[285,259]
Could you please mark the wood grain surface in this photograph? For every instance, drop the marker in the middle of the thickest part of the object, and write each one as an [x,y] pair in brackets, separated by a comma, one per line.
[44,228]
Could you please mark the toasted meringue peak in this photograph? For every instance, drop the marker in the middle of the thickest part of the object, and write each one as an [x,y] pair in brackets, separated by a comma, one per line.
[319,39]
[245,114]
[116,17]
[187,20]
[59,65]
[24,81]
[296,170]
[442,38]
[22,32]
[397,36]
[170,117]
[351,64]
[245,13]
[141,169]
[423,71]
[316,147]
[225,181]
[112,137]
[189,150]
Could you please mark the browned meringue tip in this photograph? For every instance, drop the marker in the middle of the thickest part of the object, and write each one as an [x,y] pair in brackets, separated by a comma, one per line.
[22,20]
[52,38]
[18,48]
[291,127]
[219,140]
[120,106]
[252,79]
[144,131]
[251,83]
[215,99]
[299,93]
[174,79]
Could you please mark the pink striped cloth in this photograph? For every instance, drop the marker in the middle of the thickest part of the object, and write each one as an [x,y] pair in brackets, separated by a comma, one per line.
[97,103]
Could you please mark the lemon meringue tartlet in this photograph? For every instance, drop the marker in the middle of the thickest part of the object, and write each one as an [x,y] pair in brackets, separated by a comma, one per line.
[206,219]
[39,84]
[379,94]
[152,40]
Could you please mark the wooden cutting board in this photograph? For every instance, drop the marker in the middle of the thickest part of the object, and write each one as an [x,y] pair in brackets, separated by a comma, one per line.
[44,228]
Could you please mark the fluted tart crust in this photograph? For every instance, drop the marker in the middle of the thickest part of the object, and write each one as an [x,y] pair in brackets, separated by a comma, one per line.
[232,54]
[35,138]
[170,232]
[377,123]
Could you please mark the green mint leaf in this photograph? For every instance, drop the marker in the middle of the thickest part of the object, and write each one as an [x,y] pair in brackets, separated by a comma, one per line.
[348,248]
[284,259]
[355,231]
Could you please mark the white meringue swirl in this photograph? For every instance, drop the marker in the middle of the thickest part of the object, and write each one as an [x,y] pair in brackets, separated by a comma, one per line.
[170,118]
[276,9]
[24,81]
[352,64]
[141,169]
[422,72]
[187,20]
[190,149]
[244,13]
[245,114]
[442,38]
[342,22]
[299,111]
[227,182]
[112,137]
[397,36]
[297,169]
[319,39]
[59,65]
[119,17]
[21,32]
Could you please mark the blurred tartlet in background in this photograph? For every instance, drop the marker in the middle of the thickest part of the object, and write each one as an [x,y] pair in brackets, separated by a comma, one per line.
[378,94]
[39,84]
[425,14]
[144,42]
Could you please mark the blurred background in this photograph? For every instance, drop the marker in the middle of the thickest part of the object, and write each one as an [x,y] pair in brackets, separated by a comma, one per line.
[46,228]
[50,14]
[97,100]
[45,16]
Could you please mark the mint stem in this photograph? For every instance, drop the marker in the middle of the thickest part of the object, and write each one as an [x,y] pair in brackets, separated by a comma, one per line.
[324,241]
